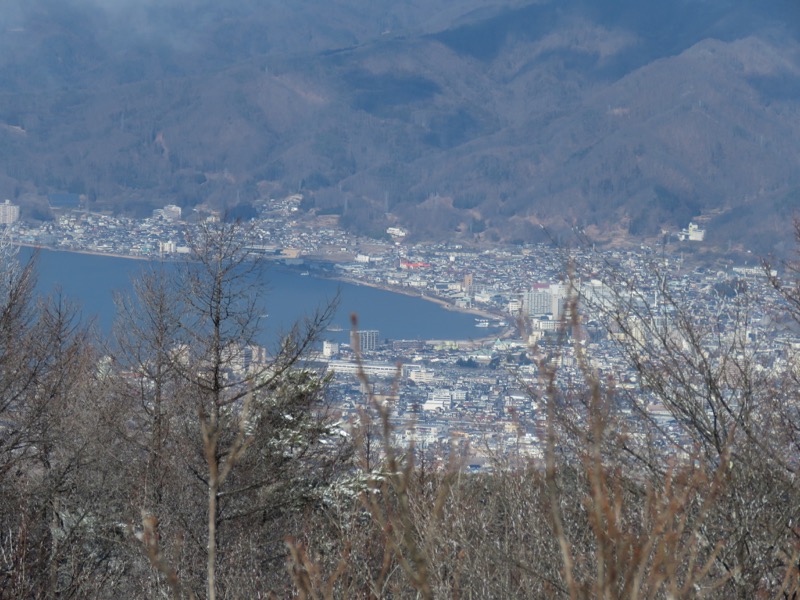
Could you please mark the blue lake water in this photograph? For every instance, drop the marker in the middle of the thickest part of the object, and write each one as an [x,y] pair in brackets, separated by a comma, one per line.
[91,280]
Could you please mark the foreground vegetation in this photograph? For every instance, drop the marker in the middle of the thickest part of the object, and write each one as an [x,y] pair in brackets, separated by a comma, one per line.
[170,462]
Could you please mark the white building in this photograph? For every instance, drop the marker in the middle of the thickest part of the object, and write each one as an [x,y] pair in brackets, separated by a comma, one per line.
[595,295]
[381,370]
[438,399]
[9,213]
[169,247]
[396,232]
[544,324]
[368,340]
[537,300]
[422,376]
[458,395]
[329,348]
[545,300]
[514,306]
[172,212]
[693,233]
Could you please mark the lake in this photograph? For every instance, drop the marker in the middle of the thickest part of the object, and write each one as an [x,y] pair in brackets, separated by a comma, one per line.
[90,281]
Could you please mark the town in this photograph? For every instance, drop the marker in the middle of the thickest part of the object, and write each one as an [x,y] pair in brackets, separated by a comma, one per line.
[536,304]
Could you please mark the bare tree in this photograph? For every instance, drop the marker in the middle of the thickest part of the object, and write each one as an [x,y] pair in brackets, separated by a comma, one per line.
[145,332]
[53,480]
[222,414]
[696,358]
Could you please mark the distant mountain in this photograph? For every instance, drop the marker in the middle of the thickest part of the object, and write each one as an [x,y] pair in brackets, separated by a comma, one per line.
[470,120]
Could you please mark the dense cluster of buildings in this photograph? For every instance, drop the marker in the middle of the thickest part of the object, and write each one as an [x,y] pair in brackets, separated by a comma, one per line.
[486,395]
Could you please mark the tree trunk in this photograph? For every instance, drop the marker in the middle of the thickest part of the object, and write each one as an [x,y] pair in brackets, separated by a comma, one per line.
[212,537]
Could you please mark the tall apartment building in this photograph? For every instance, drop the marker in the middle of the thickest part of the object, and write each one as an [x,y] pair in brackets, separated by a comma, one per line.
[468,285]
[537,300]
[9,213]
[368,340]
[558,295]
[545,299]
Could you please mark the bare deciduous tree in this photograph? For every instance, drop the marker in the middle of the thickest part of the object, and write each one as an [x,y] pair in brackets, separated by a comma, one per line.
[226,418]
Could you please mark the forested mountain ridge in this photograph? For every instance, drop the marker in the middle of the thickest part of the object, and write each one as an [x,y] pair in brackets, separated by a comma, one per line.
[482,121]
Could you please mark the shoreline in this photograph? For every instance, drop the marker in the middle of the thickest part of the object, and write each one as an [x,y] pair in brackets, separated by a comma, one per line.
[484,314]
[83,251]
[435,299]
[505,333]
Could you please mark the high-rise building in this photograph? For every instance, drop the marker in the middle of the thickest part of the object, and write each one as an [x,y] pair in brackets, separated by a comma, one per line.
[559,293]
[595,295]
[545,299]
[468,284]
[368,340]
[538,300]
[9,213]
